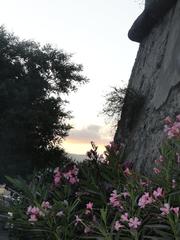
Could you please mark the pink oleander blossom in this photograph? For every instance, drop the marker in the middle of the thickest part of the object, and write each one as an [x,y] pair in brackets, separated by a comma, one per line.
[144,200]
[29,210]
[178,117]
[172,129]
[77,220]
[34,213]
[114,200]
[127,172]
[159,192]
[71,175]
[89,207]
[176,211]
[159,160]
[134,223]
[125,194]
[156,170]
[33,218]
[165,209]
[118,225]
[46,205]
[125,217]
[57,176]
[168,120]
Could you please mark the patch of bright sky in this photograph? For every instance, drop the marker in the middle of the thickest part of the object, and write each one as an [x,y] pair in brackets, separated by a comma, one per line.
[95,31]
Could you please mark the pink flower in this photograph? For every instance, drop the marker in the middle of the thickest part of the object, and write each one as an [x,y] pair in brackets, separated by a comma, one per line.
[77,220]
[134,223]
[178,117]
[156,170]
[71,175]
[35,211]
[160,160]
[56,170]
[33,218]
[46,205]
[127,172]
[165,210]
[57,176]
[114,199]
[125,194]
[158,193]
[176,210]
[173,131]
[29,210]
[89,206]
[118,226]
[125,217]
[168,120]
[57,180]
[144,200]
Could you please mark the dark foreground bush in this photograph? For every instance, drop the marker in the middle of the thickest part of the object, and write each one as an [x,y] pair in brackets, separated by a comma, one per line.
[103,198]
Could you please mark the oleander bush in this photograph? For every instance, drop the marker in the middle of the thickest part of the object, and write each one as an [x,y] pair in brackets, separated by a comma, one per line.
[102,198]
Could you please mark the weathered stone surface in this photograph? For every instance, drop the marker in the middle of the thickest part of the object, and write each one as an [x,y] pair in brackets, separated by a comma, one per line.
[156,76]
[154,11]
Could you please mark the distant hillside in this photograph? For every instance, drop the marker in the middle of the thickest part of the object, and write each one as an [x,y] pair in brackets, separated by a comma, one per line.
[77,157]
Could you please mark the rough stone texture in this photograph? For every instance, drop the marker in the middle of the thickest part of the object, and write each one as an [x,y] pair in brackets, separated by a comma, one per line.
[153,13]
[156,76]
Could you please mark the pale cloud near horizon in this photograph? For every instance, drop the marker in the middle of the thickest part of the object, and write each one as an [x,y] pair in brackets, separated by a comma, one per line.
[89,133]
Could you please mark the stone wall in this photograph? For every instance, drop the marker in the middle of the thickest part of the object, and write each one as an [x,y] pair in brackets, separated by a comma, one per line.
[156,78]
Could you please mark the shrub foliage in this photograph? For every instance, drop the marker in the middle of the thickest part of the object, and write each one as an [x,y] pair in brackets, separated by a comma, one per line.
[102,197]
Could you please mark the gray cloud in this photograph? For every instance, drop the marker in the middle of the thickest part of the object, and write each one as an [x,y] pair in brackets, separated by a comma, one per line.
[86,135]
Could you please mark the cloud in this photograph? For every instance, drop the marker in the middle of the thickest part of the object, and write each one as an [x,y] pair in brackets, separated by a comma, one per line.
[88,134]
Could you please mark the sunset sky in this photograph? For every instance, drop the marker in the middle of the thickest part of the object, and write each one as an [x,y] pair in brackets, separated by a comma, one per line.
[95,31]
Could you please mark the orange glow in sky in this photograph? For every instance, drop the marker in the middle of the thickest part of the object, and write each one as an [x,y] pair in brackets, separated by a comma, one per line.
[81,148]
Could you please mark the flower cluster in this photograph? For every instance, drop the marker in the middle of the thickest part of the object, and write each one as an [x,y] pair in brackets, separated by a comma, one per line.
[71,175]
[147,199]
[89,208]
[113,148]
[132,222]
[46,205]
[166,209]
[112,201]
[172,129]
[34,213]
[115,200]
[57,176]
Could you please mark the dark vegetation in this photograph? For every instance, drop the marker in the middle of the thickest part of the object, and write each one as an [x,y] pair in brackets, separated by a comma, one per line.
[34,81]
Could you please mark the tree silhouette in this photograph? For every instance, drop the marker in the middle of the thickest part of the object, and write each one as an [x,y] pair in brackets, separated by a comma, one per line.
[33,82]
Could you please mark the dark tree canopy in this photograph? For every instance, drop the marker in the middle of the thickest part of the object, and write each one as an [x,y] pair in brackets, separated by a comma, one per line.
[33,82]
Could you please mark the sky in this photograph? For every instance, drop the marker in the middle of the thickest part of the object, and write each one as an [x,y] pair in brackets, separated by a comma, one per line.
[95,32]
